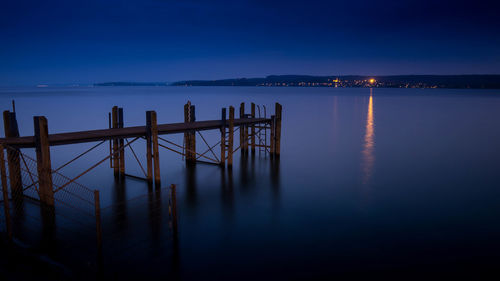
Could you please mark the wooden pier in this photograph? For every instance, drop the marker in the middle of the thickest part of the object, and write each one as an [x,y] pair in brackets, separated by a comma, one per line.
[254,131]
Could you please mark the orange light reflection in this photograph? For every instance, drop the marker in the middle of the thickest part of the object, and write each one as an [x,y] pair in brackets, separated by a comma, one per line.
[368,156]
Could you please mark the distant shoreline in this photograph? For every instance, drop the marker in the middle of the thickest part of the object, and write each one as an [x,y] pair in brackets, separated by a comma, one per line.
[349,81]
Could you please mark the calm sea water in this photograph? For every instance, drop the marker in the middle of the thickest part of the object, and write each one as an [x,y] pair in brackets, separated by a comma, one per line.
[389,183]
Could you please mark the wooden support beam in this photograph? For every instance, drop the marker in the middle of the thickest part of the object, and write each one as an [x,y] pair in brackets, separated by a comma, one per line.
[252,112]
[5,194]
[278,110]
[13,158]
[230,137]
[223,138]
[149,148]
[156,154]
[121,144]
[116,156]
[44,168]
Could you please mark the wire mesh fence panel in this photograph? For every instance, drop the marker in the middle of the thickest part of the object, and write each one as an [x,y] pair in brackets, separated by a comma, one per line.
[62,227]
[67,223]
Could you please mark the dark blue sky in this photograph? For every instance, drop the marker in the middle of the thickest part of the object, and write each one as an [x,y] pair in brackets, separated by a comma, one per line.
[162,40]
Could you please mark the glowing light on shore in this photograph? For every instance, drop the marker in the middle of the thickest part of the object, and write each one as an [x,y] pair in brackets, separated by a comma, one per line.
[372,81]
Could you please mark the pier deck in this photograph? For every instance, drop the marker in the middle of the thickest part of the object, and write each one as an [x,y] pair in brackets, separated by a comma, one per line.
[128,132]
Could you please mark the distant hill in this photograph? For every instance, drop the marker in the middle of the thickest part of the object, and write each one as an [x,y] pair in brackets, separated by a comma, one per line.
[395,81]
[132,84]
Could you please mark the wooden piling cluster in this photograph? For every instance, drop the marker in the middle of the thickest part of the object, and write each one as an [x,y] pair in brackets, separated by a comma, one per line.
[249,125]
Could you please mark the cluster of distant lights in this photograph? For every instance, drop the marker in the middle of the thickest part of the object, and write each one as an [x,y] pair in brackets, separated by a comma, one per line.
[335,82]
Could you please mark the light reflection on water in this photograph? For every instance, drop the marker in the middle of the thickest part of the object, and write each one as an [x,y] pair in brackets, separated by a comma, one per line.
[369,142]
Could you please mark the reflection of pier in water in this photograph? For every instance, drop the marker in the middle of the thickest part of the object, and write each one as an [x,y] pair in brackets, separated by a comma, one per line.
[29,184]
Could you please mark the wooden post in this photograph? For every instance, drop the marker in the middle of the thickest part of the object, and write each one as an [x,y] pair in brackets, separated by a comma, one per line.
[149,152]
[110,142]
[187,136]
[43,160]
[230,137]
[242,130]
[98,227]
[252,132]
[13,158]
[156,153]
[121,144]
[223,138]
[192,118]
[6,205]
[272,138]
[116,156]
[278,110]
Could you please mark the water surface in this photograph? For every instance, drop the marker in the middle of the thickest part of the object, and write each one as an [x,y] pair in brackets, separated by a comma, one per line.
[382,183]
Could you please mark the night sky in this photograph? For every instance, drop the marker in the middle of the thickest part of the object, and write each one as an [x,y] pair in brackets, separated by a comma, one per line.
[153,40]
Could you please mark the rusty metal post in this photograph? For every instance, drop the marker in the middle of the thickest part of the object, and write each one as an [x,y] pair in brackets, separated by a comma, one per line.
[116,156]
[230,137]
[98,227]
[6,205]
[43,160]
[149,152]
[13,158]
[223,138]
